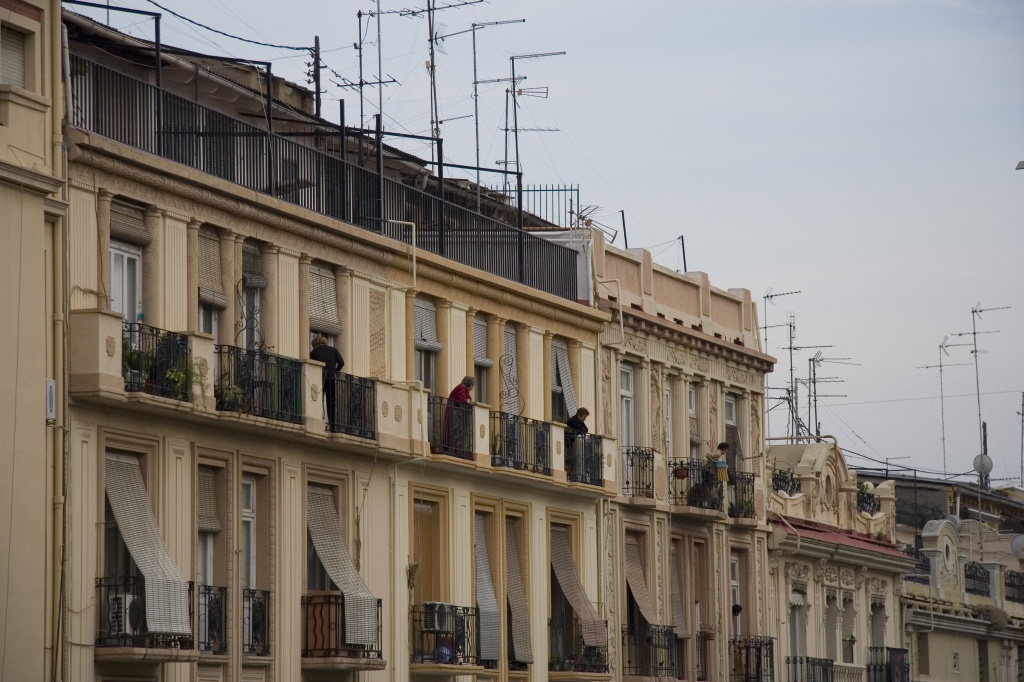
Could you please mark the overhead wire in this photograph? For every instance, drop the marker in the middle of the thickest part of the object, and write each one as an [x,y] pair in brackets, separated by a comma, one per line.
[225,34]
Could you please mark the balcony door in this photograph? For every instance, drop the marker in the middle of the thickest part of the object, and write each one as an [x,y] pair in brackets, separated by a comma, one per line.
[126,281]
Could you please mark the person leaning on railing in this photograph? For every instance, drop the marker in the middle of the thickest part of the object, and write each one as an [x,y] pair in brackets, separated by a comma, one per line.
[574,428]
[457,416]
[333,363]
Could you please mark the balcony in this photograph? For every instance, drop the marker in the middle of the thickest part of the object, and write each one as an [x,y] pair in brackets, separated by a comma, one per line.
[977,579]
[694,483]
[520,443]
[752,659]
[351,405]
[211,619]
[637,471]
[325,644]
[868,502]
[124,633]
[1013,586]
[807,669]
[886,664]
[741,495]
[443,635]
[785,481]
[451,428]
[256,622]
[303,169]
[258,383]
[649,650]
[570,654]
[584,458]
[702,648]
[155,361]
[921,573]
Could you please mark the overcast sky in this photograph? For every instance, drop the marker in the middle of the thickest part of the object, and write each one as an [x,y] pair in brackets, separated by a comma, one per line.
[861,152]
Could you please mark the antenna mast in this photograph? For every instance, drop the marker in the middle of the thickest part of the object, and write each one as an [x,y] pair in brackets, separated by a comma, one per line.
[942,395]
[976,312]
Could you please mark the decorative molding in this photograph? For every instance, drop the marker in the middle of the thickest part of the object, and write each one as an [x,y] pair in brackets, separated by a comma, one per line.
[635,343]
[861,575]
[819,569]
[846,577]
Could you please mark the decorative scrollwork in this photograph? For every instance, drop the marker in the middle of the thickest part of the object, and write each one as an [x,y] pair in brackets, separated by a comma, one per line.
[510,395]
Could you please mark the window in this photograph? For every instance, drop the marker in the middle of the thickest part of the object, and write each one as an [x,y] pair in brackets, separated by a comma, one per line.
[701,592]
[735,593]
[848,626]
[486,599]
[253,282]
[247,558]
[126,281]
[211,286]
[831,626]
[210,583]
[520,646]
[877,623]
[695,439]
[481,360]
[12,56]
[797,624]
[569,601]
[667,407]
[426,550]
[426,342]
[626,407]
[208,318]
[734,455]
[563,392]
[323,303]
[923,655]
[730,409]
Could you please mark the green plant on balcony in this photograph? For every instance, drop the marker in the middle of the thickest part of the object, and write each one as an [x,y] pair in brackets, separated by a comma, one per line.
[743,508]
[178,376]
[229,396]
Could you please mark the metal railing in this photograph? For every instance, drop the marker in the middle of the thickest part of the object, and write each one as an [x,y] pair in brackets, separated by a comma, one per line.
[977,579]
[785,481]
[807,669]
[122,616]
[741,495]
[256,622]
[694,483]
[637,471]
[258,383]
[1013,584]
[922,571]
[868,502]
[649,650]
[304,169]
[584,458]
[451,427]
[211,619]
[443,634]
[702,649]
[351,405]
[520,443]
[752,659]
[324,633]
[569,652]
[155,361]
[887,664]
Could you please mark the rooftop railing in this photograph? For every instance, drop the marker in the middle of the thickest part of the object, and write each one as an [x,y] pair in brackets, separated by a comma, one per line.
[785,481]
[1013,585]
[304,169]
[868,502]
[976,579]
[922,571]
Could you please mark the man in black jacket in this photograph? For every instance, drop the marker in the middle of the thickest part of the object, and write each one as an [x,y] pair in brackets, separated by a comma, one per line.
[333,362]
[574,429]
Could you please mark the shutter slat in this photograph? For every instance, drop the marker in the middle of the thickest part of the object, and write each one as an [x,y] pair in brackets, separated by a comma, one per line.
[12,56]
[209,263]
[323,302]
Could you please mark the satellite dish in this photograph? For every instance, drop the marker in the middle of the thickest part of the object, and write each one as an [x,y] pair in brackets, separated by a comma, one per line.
[1017,546]
[983,464]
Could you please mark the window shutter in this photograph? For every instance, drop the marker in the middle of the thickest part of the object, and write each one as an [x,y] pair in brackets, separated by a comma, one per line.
[636,581]
[211,290]
[252,268]
[480,358]
[561,365]
[487,602]
[12,56]
[323,302]
[128,225]
[206,499]
[426,326]
[522,651]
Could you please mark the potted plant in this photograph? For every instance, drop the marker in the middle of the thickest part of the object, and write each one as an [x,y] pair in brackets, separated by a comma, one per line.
[177,377]
[229,396]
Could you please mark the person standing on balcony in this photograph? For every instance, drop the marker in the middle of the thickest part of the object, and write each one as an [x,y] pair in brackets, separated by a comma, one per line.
[458,418]
[333,362]
[574,428]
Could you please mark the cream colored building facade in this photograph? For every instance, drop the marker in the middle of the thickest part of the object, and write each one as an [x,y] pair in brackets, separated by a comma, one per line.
[32,252]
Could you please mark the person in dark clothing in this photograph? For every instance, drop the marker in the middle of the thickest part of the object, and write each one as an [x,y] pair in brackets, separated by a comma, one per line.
[333,363]
[574,428]
[458,420]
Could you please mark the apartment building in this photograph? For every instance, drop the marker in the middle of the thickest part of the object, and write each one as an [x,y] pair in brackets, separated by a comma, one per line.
[32,251]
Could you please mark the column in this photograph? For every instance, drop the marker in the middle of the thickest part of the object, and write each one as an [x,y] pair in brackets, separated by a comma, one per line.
[304,261]
[548,386]
[268,297]
[495,349]
[152,269]
[103,199]
[471,346]
[227,317]
[192,276]
[443,379]
[523,365]
[642,396]
[342,287]
[410,337]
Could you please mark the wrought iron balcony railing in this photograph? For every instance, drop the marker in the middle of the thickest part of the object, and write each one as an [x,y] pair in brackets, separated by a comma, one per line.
[752,659]
[702,649]
[570,653]
[694,483]
[211,619]
[444,634]
[921,573]
[155,361]
[868,502]
[977,579]
[741,495]
[351,405]
[807,669]
[887,664]
[637,471]
[122,613]
[584,458]
[520,443]
[785,481]
[324,633]
[649,650]
[1013,584]
[258,383]
[256,622]
[451,427]
[304,168]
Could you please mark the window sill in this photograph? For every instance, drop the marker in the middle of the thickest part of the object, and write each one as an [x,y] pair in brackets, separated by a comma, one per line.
[23,97]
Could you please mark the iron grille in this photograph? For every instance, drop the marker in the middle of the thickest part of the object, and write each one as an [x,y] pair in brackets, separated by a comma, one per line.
[584,459]
[259,383]
[447,637]
[520,443]
[155,361]
[451,428]
[122,611]
[570,653]
[694,483]
[324,632]
[351,405]
[638,471]
[976,579]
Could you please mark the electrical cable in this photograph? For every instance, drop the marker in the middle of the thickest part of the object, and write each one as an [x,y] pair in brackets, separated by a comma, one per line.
[228,35]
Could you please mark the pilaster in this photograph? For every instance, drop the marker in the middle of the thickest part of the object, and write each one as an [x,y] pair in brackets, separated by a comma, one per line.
[103,200]
[153,269]
[192,276]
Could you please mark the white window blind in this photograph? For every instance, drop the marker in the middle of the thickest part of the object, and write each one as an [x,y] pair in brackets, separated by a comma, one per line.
[560,365]
[486,601]
[595,629]
[426,326]
[636,580]
[209,518]
[323,302]
[12,56]
[518,605]
[480,357]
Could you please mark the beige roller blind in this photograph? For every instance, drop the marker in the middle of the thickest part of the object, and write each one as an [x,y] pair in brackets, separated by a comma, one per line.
[676,589]
[323,301]
[211,288]
[518,605]
[486,601]
[595,630]
[127,224]
[480,356]
[12,56]
[561,365]
[206,502]
[423,551]
[636,580]
[425,319]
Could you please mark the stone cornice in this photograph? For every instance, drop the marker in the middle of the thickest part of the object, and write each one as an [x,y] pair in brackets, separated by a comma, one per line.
[40,184]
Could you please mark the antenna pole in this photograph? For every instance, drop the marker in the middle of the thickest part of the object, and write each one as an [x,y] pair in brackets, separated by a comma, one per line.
[625,236]
[682,245]
[1021,413]
[316,72]
[942,413]
[476,120]
[515,114]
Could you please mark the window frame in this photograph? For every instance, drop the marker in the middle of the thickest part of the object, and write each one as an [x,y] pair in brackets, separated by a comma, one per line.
[127,252]
[627,405]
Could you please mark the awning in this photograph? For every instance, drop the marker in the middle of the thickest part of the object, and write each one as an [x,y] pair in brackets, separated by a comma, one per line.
[167,604]
[595,629]
[206,502]
[517,603]
[486,601]
[361,625]
[636,581]
[678,610]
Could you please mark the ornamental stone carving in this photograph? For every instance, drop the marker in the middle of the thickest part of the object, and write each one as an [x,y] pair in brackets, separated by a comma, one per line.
[635,343]
[819,570]
[111,348]
[877,586]
[846,577]
[398,413]
[314,392]
[384,408]
[699,364]
[861,575]
[831,574]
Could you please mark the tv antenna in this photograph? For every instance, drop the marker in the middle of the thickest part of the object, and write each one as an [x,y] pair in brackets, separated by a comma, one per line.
[516,93]
[813,379]
[942,395]
[769,297]
[795,397]
[976,312]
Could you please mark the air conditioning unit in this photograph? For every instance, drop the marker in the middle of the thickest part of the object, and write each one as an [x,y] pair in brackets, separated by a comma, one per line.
[125,614]
[438,617]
